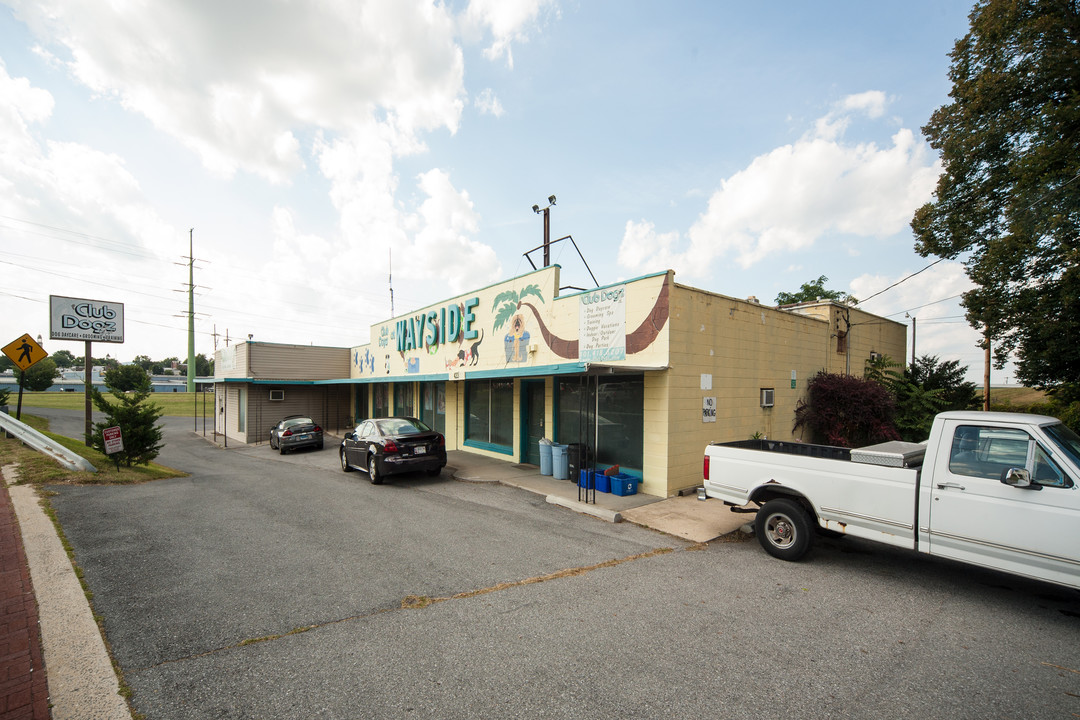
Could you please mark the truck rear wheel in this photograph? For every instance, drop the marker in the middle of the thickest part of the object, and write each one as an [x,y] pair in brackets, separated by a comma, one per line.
[783,528]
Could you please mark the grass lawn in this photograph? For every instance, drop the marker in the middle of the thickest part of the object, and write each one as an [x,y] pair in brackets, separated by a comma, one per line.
[38,469]
[174,404]
[1019,396]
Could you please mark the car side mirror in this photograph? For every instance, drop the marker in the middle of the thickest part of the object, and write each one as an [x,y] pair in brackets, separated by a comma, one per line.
[350,436]
[1017,477]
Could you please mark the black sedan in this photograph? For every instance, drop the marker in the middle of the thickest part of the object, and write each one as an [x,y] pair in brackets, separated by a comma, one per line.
[387,446]
[295,431]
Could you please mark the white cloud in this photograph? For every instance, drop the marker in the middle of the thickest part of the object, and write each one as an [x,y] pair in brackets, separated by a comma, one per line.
[237,82]
[932,298]
[507,21]
[488,103]
[790,198]
[79,186]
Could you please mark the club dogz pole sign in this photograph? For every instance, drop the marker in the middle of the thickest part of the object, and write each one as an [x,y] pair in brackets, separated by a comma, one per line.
[90,321]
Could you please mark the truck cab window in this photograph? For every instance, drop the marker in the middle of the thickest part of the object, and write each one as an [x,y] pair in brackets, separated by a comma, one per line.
[986,452]
[1047,473]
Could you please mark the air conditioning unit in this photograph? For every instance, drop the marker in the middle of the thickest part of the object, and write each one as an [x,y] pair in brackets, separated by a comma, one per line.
[874,356]
[767,397]
[277,395]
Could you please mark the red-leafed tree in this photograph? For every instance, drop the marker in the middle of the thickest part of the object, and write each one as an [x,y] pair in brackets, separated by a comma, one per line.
[846,411]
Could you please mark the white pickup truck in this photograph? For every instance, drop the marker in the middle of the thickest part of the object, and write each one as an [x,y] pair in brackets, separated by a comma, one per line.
[998,490]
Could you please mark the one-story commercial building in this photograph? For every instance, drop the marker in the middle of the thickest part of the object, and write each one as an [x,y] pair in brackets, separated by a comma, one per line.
[643,373]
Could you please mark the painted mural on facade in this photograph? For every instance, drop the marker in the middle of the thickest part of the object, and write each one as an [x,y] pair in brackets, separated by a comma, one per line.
[516,324]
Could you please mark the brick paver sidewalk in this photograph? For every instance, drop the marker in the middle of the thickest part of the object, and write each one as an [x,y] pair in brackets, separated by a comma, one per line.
[24,692]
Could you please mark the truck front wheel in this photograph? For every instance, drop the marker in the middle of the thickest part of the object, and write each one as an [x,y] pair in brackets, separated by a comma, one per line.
[783,528]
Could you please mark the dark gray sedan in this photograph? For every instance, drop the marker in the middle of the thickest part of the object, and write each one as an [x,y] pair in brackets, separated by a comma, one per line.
[296,431]
[387,446]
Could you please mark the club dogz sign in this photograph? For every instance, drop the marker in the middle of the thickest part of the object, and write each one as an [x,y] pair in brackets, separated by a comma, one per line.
[79,319]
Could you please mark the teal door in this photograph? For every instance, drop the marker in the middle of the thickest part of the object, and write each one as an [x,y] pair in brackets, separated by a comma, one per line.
[532,419]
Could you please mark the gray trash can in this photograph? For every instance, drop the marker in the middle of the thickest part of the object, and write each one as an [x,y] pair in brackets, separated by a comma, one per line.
[559,466]
[545,458]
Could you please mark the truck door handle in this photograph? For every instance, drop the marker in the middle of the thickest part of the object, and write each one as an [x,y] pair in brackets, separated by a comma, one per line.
[950,486]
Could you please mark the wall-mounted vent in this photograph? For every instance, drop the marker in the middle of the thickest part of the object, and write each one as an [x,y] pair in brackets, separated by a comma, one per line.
[277,395]
[766,397]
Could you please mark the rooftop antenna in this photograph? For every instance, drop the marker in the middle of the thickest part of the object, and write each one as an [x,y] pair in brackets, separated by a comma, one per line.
[390,278]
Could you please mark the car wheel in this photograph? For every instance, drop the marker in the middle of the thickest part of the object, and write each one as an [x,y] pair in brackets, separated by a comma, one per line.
[434,472]
[345,463]
[281,448]
[319,446]
[373,471]
[272,445]
[783,529]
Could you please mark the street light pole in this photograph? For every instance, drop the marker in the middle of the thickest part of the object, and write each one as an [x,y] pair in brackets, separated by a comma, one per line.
[547,227]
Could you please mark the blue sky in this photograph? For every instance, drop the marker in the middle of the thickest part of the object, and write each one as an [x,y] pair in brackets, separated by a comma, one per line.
[751,147]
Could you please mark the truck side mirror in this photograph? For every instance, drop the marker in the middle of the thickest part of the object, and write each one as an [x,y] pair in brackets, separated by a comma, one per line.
[1017,477]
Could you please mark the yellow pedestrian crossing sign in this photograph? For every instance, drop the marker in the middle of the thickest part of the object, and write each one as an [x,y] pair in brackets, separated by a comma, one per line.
[24,352]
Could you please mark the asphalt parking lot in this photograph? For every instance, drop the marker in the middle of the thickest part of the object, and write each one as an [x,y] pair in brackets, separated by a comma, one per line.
[264,586]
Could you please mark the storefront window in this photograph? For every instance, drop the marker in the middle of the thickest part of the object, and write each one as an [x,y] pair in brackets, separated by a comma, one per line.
[403,400]
[381,397]
[621,421]
[604,413]
[360,403]
[489,408]
[433,405]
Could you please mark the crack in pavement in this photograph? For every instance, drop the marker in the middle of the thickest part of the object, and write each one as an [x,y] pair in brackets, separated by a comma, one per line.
[416,602]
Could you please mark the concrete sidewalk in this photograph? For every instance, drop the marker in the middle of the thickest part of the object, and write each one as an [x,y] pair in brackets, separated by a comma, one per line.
[684,516]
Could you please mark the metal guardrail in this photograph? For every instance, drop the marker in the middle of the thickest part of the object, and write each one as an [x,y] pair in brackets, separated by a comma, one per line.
[32,438]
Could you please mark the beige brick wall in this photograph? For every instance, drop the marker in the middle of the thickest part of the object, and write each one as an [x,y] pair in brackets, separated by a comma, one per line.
[745,347]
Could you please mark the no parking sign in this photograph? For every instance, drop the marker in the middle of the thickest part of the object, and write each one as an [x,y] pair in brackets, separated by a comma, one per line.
[114,440]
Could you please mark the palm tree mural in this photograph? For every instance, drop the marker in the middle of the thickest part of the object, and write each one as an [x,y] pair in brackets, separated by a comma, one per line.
[508,302]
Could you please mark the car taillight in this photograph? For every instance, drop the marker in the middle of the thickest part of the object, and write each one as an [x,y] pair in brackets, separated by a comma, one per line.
[317,429]
[441,440]
[705,468]
[287,433]
[390,447]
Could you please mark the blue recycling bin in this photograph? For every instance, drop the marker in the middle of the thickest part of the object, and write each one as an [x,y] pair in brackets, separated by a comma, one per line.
[560,462]
[545,458]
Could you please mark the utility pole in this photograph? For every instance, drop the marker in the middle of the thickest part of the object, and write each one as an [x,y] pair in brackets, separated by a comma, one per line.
[986,372]
[912,338]
[191,312]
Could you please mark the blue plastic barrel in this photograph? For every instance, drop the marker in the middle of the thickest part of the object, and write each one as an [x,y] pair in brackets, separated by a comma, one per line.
[545,458]
[560,462]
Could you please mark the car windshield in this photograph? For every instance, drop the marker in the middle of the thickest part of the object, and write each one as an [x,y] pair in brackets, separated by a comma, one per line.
[401,426]
[1065,439]
[293,422]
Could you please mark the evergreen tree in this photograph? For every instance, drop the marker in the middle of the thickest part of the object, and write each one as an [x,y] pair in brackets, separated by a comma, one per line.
[137,420]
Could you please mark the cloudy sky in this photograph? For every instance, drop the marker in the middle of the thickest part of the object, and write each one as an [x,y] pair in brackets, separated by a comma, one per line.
[310,149]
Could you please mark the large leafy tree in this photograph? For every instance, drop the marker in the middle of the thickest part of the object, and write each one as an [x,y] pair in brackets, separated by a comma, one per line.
[127,378]
[814,290]
[39,376]
[1008,200]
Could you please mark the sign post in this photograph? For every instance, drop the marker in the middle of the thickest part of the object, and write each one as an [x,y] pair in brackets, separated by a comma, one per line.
[114,443]
[89,320]
[24,352]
